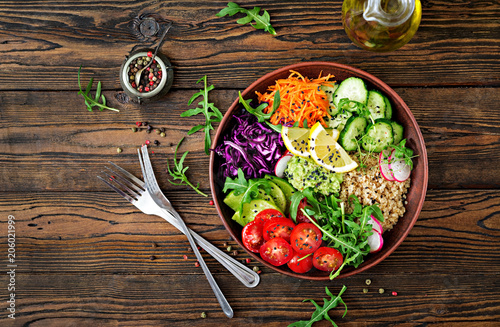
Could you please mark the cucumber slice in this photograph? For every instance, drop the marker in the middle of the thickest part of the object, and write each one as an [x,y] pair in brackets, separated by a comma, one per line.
[397,130]
[352,88]
[339,121]
[388,108]
[376,104]
[329,90]
[378,136]
[354,129]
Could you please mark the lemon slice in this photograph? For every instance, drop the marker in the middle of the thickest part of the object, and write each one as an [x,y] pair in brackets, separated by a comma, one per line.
[296,140]
[327,153]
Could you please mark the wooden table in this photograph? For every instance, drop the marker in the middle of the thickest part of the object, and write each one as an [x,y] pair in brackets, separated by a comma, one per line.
[85,257]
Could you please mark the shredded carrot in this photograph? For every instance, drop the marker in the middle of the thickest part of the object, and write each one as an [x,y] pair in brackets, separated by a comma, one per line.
[301,99]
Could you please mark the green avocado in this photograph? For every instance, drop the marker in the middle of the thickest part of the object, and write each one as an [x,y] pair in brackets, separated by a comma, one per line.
[285,187]
[250,210]
[233,201]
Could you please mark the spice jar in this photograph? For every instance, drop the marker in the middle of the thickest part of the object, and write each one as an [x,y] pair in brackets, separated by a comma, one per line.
[155,82]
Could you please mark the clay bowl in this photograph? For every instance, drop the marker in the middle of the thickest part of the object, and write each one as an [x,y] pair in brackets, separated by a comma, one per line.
[401,113]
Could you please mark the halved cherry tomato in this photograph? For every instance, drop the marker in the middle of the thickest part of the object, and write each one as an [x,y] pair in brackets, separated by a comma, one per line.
[301,266]
[327,259]
[305,238]
[252,235]
[266,214]
[278,227]
[276,251]
[301,218]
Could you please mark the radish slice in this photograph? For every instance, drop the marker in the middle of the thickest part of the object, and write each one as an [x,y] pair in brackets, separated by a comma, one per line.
[376,242]
[399,169]
[384,166]
[376,225]
[279,169]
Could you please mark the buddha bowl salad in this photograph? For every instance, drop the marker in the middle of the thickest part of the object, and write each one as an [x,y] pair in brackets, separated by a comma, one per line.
[315,172]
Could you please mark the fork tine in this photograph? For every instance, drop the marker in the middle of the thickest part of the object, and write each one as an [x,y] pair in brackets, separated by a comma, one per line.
[132,193]
[127,181]
[117,190]
[129,175]
[143,169]
[151,180]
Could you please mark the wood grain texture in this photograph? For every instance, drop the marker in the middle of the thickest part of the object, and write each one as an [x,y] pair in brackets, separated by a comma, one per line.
[100,232]
[50,142]
[44,42]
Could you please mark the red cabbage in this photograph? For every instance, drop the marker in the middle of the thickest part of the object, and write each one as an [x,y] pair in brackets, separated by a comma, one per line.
[251,146]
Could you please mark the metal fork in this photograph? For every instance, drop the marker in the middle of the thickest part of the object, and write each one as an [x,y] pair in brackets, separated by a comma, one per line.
[161,200]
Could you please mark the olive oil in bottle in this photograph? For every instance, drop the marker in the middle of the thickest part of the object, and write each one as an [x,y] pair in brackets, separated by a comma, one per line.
[381,25]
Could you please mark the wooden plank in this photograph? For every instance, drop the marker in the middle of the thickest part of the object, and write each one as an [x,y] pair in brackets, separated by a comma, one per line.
[99,232]
[178,300]
[44,44]
[44,146]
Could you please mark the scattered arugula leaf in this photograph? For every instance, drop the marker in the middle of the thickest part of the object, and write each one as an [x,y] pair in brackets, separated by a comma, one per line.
[322,312]
[261,21]
[249,188]
[211,112]
[93,102]
[179,171]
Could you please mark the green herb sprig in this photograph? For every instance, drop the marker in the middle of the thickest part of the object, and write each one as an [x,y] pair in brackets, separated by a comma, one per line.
[402,152]
[259,111]
[322,312]
[211,112]
[179,171]
[91,102]
[261,21]
[249,188]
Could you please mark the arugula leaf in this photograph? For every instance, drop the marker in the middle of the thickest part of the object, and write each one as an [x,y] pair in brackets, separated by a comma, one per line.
[211,112]
[402,152]
[261,21]
[322,312]
[179,171]
[89,101]
[249,188]
[259,111]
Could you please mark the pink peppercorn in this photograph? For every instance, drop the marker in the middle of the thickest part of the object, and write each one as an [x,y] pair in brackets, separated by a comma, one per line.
[395,293]
[147,142]
[146,89]
[150,54]
[211,202]
[196,264]
[185,257]
[151,83]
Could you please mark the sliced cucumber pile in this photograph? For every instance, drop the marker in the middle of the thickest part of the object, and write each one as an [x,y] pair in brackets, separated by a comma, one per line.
[362,116]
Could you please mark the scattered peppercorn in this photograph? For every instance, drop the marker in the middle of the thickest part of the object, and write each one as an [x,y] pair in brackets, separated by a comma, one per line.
[185,257]
[365,290]
[381,290]
[134,129]
[156,142]
[255,268]
[138,123]
[119,150]
[203,315]
[224,244]
[229,248]
[235,252]
[154,245]
[196,264]
[147,142]
[162,134]
[152,257]
[211,202]
[395,293]
[248,260]
[368,282]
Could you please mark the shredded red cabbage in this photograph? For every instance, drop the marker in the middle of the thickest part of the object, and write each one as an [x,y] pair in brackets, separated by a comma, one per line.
[251,146]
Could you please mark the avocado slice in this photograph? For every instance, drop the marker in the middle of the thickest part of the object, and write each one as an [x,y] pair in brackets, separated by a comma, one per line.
[233,201]
[250,210]
[286,187]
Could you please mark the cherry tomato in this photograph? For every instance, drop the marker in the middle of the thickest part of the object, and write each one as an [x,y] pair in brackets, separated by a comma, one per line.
[305,238]
[252,235]
[301,266]
[327,259]
[278,227]
[301,218]
[276,251]
[268,214]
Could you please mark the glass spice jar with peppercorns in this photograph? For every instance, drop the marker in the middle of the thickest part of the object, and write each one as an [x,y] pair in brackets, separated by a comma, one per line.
[154,81]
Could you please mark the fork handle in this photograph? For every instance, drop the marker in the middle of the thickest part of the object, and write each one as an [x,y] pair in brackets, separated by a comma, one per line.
[245,275]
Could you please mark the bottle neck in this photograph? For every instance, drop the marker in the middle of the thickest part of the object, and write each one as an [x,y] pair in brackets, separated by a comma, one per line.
[388,12]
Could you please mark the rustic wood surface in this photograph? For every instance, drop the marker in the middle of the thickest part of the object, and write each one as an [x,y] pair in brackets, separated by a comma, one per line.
[85,257]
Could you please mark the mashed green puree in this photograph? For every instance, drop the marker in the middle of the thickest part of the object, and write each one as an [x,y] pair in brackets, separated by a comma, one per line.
[304,172]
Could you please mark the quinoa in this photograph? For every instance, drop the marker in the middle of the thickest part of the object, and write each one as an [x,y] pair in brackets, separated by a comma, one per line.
[370,187]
